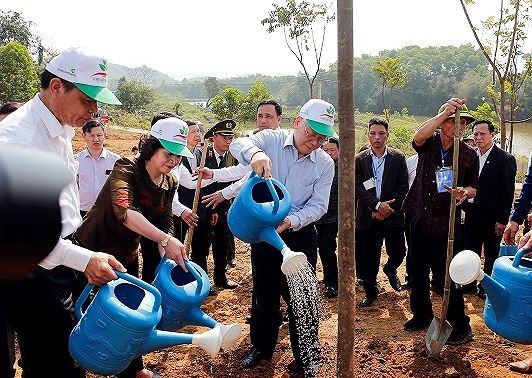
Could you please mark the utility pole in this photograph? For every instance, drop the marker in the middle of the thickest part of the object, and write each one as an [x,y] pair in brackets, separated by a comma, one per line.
[346,176]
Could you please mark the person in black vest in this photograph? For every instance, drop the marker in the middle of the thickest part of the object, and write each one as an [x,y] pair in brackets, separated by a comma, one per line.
[218,156]
[327,227]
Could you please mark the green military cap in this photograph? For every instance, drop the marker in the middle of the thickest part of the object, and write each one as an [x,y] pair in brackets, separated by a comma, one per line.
[225,127]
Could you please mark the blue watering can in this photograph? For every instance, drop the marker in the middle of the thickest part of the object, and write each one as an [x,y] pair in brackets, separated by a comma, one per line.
[255,213]
[119,325]
[508,308]
[507,250]
[182,293]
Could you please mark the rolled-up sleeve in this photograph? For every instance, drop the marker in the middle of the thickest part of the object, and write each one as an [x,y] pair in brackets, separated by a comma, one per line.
[122,183]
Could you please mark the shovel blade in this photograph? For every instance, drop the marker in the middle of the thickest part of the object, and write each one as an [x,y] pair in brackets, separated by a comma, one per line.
[437,336]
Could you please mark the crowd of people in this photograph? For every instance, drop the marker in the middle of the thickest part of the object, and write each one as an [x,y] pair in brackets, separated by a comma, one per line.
[117,207]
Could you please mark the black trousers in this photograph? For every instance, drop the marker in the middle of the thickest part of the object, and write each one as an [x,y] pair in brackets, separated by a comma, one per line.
[430,253]
[269,284]
[40,308]
[223,245]
[7,348]
[478,233]
[327,233]
[368,256]
[201,240]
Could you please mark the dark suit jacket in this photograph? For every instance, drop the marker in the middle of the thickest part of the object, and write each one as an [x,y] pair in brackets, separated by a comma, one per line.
[495,189]
[212,163]
[394,185]
[522,204]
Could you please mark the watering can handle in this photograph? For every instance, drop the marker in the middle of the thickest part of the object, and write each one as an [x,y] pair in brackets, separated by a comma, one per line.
[82,298]
[270,185]
[127,277]
[518,256]
[195,274]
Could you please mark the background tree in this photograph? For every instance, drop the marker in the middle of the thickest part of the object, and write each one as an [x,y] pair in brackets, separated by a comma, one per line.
[298,22]
[502,49]
[18,78]
[391,75]
[212,88]
[248,108]
[134,95]
[227,103]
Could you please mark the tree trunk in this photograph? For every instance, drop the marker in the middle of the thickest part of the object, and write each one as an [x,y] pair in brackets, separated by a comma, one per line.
[346,176]
[502,119]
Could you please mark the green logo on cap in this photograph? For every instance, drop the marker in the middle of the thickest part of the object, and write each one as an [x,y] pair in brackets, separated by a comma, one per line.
[103,65]
[330,110]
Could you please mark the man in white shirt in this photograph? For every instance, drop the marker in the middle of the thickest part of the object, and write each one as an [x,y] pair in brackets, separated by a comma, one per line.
[40,307]
[95,164]
[293,157]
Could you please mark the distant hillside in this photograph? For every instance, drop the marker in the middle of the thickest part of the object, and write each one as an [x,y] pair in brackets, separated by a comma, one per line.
[143,74]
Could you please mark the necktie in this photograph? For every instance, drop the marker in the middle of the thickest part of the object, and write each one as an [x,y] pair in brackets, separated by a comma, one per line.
[220,160]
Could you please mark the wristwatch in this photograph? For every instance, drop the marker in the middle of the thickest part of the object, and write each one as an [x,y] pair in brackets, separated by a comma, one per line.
[164,243]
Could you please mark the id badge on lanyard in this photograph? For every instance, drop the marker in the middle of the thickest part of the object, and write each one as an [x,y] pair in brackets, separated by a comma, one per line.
[444,175]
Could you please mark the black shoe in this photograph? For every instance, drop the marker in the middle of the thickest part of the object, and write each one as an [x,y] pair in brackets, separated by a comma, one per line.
[227,284]
[294,367]
[394,281]
[253,358]
[469,288]
[406,285]
[231,263]
[416,324]
[331,291]
[368,300]
[248,319]
[460,338]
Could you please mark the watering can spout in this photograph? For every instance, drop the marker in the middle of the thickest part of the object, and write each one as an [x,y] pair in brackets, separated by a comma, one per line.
[270,236]
[498,296]
[209,341]
[465,268]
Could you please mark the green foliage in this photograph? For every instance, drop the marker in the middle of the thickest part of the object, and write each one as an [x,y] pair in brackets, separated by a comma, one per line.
[134,95]
[212,87]
[299,22]
[485,111]
[391,74]
[14,28]
[227,103]
[18,79]
[257,93]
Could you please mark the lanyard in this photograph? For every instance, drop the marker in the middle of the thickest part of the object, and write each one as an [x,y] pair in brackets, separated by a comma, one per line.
[443,155]
[376,170]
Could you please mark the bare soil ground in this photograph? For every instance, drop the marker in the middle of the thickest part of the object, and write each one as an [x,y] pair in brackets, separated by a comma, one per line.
[382,348]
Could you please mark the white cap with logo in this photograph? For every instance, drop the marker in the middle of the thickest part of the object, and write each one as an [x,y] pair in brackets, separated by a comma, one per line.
[172,133]
[319,115]
[87,72]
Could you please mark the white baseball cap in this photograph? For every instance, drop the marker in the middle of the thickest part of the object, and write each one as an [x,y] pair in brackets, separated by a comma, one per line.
[172,133]
[319,115]
[87,72]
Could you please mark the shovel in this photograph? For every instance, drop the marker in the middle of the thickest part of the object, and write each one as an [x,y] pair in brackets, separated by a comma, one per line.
[440,329]
[190,232]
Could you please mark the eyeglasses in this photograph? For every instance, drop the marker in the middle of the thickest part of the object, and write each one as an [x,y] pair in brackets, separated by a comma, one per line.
[321,139]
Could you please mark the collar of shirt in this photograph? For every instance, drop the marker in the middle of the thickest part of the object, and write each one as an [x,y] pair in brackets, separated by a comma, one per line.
[85,153]
[289,141]
[53,126]
[216,154]
[485,154]
[383,155]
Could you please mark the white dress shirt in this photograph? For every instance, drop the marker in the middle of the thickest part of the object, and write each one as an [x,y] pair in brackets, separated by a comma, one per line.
[92,174]
[308,179]
[33,126]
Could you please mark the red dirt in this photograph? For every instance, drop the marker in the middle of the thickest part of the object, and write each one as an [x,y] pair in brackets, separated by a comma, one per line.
[382,348]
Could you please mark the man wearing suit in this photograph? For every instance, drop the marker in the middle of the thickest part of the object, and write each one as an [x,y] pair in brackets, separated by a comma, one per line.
[218,157]
[521,207]
[381,184]
[488,213]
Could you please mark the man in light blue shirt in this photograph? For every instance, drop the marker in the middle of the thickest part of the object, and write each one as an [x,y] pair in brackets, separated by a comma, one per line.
[293,157]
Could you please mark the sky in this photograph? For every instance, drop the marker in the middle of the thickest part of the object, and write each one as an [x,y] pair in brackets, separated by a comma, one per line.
[186,39]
